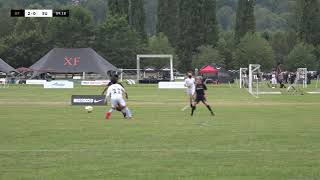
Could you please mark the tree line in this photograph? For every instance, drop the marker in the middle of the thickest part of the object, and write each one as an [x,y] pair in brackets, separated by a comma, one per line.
[229,32]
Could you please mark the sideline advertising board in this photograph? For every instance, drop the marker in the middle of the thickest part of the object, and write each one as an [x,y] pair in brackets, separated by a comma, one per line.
[35,82]
[84,100]
[58,85]
[95,83]
[171,85]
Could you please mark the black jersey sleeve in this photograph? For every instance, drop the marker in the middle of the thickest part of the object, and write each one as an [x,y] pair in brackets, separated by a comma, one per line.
[204,87]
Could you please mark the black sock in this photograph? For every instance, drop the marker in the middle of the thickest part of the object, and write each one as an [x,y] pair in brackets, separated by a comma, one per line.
[193,108]
[209,108]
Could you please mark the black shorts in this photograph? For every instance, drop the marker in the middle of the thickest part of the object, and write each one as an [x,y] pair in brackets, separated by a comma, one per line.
[200,98]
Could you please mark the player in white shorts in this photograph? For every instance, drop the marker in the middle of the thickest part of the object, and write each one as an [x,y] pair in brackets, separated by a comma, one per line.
[115,93]
[273,79]
[189,83]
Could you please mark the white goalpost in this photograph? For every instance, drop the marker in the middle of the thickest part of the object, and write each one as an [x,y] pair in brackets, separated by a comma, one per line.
[162,56]
[302,75]
[301,78]
[317,89]
[255,78]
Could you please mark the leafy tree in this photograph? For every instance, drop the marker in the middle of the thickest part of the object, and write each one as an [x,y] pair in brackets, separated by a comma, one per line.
[75,31]
[280,45]
[189,34]
[151,17]
[98,9]
[226,17]
[245,20]
[317,54]
[7,22]
[118,7]
[209,27]
[227,48]
[167,18]
[308,12]
[302,56]
[133,10]
[207,55]
[230,3]
[27,24]
[159,45]
[196,27]
[137,17]
[253,49]
[266,19]
[118,42]
[289,17]
[23,48]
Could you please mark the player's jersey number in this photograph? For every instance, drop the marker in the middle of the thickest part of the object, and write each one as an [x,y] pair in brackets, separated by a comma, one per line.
[116,91]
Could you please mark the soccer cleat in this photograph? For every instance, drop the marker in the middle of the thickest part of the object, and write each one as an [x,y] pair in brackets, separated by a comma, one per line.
[108,115]
[213,114]
[124,115]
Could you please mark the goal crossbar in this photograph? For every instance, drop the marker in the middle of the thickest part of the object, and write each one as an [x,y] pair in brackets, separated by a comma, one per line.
[164,56]
[255,68]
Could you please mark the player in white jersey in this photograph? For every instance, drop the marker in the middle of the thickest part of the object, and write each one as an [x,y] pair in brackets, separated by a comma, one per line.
[115,93]
[189,82]
[273,79]
[114,79]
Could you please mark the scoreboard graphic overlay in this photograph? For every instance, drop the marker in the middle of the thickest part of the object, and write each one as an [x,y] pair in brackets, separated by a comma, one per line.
[39,13]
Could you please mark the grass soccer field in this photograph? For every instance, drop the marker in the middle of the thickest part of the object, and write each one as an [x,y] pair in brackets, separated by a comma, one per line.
[274,137]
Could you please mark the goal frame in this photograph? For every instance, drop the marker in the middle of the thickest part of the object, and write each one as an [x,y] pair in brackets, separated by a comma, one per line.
[256,68]
[317,82]
[303,72]
[162,56]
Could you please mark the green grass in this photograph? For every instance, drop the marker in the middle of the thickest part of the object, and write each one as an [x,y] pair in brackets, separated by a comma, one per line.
[274,137]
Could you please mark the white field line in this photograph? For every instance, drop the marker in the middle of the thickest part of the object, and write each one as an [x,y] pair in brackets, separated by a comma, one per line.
[166,150]
[184,108]
[175,103]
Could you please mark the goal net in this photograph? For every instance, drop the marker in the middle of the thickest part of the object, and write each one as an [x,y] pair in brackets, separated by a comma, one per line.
[154,56]
[316,87]
[259,82]
[298,81]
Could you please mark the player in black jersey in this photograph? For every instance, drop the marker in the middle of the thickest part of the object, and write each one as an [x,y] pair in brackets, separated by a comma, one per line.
[200,95]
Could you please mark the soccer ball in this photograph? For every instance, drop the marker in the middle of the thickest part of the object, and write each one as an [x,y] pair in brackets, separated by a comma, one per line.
[89,109]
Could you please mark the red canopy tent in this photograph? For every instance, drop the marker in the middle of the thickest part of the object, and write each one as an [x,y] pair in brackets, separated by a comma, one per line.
[23,69]
[208,70]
